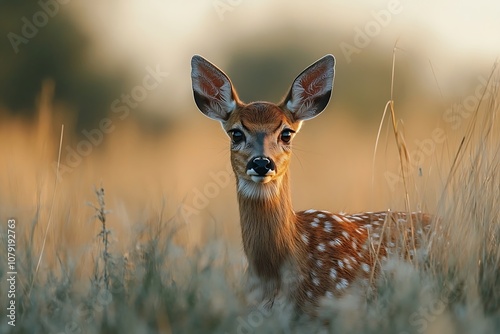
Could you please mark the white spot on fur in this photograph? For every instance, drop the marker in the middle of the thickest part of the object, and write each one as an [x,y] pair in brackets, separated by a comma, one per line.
[321,215]
[348,263]
[321,247]
[328,227]
[304,238]
[310,211]
[337,218]
[340,263]
[316,281]
[365,267]
[345,234]
[329,294]
[319,263]
[342,284]
[333,273]
[309,294]
[335,242]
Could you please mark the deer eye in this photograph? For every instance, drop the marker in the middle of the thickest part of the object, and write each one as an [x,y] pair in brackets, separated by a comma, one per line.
[286,135]
[236,136]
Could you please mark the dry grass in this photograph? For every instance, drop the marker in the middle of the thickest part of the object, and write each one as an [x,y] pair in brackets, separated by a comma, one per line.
[130,264]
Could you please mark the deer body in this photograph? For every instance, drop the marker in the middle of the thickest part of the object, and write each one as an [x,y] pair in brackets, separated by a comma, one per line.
[302,255]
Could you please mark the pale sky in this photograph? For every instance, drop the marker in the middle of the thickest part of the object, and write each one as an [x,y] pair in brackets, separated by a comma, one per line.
[453,34]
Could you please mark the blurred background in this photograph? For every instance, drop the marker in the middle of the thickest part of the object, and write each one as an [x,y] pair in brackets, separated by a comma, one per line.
[117,76]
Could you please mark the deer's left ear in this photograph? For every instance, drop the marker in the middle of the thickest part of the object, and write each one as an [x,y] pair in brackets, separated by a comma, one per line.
[311,90]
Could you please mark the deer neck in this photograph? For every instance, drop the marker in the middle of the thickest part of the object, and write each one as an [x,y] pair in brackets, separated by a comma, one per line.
[268,226]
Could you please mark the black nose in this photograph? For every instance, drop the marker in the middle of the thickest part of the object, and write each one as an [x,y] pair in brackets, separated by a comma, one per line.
[261,165]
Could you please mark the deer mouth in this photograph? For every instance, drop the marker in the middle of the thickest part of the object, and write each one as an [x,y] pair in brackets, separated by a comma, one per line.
[259,177]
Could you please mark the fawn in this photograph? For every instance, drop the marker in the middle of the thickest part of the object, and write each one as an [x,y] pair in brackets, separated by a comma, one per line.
[307,255]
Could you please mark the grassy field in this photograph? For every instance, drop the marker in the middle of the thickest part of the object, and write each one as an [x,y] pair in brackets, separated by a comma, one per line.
[120,256]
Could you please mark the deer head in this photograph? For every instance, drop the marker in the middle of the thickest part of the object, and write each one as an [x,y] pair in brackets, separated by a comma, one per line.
[261,133]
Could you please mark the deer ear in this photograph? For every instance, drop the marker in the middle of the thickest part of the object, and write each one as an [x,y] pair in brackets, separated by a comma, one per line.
[212,89]
[311,90]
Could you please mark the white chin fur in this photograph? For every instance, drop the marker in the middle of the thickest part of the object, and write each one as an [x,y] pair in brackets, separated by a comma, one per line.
[260,179]
[261,188]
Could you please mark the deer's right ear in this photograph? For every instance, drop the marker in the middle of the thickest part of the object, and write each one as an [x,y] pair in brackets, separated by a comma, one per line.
[213,92]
